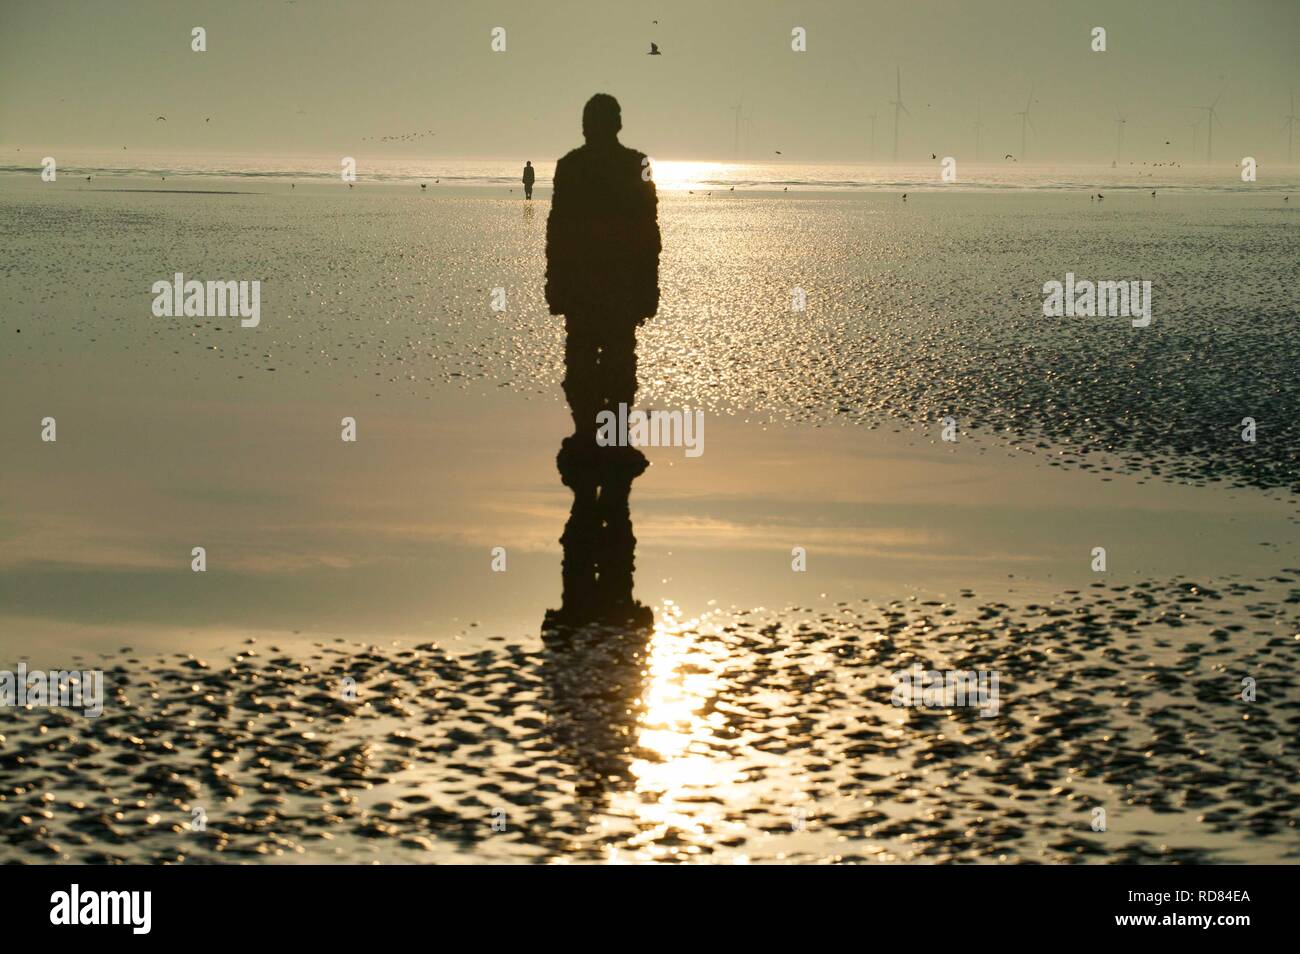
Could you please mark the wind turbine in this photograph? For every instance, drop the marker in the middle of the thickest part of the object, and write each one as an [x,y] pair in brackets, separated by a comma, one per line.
[898,105]
[978,126]
[1119,134]
[872,117]
[1209,132]
[735,139]
[1290,128]
[1025,125]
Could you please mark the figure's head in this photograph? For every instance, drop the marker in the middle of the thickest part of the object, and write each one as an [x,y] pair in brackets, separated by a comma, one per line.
[601,118]
[528,162]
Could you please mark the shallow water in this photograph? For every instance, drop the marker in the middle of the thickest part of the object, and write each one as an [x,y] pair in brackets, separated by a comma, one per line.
[754,722]
[914,312]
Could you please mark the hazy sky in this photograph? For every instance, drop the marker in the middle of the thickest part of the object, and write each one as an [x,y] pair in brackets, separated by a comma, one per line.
[312,77]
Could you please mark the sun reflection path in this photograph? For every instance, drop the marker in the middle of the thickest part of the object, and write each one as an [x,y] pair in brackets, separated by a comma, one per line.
[693,766]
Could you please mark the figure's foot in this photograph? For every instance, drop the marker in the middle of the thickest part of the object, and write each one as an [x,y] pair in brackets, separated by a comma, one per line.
[577,454]
[625,461]
[581,452]
[629,617]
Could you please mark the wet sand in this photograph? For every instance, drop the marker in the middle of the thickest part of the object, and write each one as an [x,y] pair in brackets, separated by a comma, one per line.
[755,722]
[733,738]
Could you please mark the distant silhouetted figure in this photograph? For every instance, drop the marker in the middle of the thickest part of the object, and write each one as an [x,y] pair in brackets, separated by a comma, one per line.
[602,264]
[529,178]
[654,50]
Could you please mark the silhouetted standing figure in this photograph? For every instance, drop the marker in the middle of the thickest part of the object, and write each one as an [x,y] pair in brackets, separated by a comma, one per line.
[529,178]
[602,274]
[602,264]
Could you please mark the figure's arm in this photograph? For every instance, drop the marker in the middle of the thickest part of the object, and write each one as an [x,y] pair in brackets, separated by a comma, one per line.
[650,245]
[559,241]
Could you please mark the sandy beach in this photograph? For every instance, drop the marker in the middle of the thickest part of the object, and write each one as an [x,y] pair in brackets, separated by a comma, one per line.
[755,722]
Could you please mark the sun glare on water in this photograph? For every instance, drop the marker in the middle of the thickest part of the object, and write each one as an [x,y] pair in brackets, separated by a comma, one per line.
[682,175]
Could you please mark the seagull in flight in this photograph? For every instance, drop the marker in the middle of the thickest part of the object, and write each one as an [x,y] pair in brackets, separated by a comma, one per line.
[161,119]
[654,50]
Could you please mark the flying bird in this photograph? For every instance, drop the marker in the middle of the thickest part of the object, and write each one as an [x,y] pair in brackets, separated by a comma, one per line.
[1009,156]
[161,119]
[933,156]
[778,152]
[904,196]
[654,50]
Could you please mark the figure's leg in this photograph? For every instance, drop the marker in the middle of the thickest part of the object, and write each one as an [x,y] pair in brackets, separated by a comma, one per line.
[618,364]
[581,373]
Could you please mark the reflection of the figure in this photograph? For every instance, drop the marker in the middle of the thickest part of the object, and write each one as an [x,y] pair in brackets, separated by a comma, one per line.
[596,641]
[598,542]
[631,702]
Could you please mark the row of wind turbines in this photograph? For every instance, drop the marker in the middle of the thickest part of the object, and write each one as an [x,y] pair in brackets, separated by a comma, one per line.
[1026,124]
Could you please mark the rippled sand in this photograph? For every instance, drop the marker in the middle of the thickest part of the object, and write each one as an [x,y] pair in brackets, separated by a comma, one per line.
[749,737]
